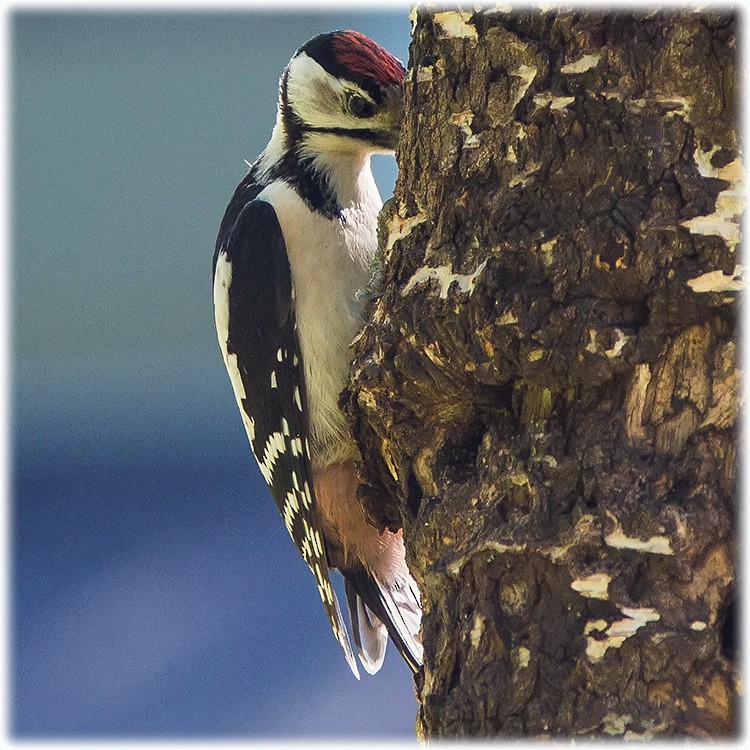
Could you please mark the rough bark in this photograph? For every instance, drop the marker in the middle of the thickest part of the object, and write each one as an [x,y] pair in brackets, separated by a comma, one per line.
[546,395]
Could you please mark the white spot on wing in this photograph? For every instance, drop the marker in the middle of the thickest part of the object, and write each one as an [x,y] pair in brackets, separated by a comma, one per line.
[291,508]
[307,496]
[273,449]
[296,447]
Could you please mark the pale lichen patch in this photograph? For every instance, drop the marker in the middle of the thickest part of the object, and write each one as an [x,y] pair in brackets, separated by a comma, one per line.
[548,99]
[724,221]
[615,724]
[718,281]
[400,227]
[547,248]
[526,74]
[446,278]
[636,402]
[506,319]
[677,104]
[413,16]
[454,567]
[476,631]
[698,625]
[523,178]
[614,351]
[581,65]
[594,626]
[521,657]
[617,347]
[636,105]
[658,545]
[591,346]
[426,73]
[463,120]
[648,733]
[619,631]
[595,586]
[456,24]
[433,353]
[386,453]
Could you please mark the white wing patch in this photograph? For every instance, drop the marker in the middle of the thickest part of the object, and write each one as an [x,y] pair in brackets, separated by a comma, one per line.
[222,282]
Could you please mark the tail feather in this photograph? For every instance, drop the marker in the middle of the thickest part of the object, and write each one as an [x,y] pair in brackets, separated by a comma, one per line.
[378,607]
[404,611]
[370,635]
[339,630]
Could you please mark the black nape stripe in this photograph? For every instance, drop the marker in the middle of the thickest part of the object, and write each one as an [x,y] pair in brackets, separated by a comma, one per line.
[312,185]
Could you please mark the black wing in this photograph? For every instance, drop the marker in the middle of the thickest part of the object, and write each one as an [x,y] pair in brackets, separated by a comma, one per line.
[255,322]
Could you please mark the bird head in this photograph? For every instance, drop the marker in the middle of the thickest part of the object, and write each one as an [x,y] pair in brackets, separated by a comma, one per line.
[345,90]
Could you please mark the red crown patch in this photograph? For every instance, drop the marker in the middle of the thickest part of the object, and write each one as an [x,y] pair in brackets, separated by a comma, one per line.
[367,59]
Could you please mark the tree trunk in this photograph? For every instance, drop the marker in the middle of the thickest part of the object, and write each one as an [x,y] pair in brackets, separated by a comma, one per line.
[547,391]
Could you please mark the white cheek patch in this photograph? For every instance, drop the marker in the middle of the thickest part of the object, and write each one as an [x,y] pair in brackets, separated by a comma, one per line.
[317,97]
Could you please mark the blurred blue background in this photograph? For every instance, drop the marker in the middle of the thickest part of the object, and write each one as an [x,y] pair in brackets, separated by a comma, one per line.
[155,591]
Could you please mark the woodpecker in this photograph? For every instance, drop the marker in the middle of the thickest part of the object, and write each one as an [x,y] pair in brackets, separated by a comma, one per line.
[294,249]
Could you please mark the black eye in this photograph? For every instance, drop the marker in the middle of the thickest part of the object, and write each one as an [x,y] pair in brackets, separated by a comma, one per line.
[360,107]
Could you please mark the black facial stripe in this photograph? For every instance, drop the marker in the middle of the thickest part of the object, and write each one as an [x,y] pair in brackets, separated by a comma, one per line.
[368,135]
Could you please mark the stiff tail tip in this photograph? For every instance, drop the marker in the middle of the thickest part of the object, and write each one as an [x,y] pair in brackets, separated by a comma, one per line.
[342,636]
